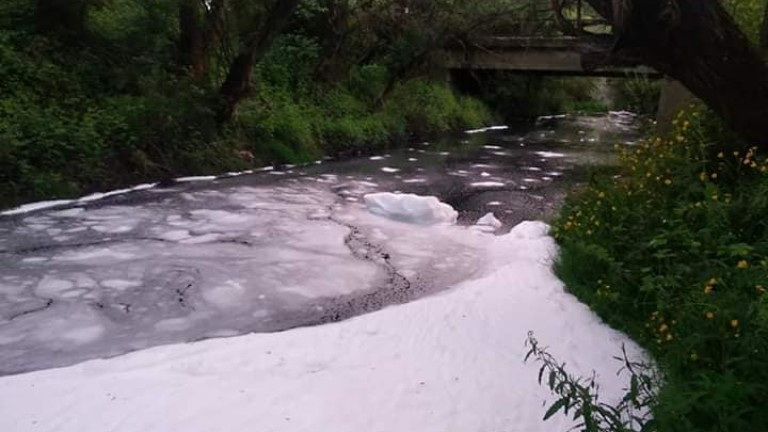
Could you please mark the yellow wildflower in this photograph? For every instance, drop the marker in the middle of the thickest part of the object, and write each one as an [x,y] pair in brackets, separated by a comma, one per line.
[708,289]
[714,176]
[709,315]
[734,323]
[663,328]
[669,337]
[743,264]
[667,182]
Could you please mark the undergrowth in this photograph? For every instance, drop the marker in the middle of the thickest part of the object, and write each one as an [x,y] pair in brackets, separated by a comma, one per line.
[78,119]
[674,251]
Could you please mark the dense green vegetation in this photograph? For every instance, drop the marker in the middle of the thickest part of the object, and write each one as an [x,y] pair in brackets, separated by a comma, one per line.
[99,94]
[674,251]
[676,254]
[515,96]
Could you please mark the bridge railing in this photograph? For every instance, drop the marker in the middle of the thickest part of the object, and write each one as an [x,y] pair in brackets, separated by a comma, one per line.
[576,17]
[549,18]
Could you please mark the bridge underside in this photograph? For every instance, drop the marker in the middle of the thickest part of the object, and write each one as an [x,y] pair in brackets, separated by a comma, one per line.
[526,56]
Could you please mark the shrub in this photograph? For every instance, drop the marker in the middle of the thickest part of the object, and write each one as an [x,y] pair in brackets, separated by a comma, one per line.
[638,94]
[280,132]
[429,107]
[675,252]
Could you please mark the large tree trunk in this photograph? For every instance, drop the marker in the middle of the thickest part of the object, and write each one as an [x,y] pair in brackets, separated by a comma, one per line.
[199,30]
[190,45]
[335,30]
[697,43]
[764,31]
[237,85]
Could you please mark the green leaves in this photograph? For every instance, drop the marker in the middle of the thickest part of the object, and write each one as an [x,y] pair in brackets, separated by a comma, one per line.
[683,271]
[581,396]
[555,408]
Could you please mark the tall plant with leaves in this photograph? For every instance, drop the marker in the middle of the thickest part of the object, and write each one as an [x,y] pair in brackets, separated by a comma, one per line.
[579,397]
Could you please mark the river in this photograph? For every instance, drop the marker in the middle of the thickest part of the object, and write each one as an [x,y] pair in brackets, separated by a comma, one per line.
[275,249]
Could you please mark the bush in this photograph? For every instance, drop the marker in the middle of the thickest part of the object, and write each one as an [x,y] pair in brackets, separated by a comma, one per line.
[638,94]
[675,252]
[114,109]
[430,107]
[516,96]
[280,132]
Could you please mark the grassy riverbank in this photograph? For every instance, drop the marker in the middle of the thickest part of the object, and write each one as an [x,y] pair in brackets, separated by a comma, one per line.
[70,125]
[99,95]
[675,253]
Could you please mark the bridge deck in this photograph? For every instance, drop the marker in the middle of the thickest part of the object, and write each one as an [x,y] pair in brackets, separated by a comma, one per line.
[554,56]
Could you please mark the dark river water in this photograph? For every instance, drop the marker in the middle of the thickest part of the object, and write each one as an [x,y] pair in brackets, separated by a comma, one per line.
[273,250]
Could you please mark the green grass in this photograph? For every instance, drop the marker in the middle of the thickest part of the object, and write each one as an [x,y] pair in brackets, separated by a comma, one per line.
[675,253]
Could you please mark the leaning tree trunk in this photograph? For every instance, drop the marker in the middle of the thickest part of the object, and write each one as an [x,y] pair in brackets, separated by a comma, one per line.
[237,85]
[697,43]
[200,29]
[764,31]
[190,50]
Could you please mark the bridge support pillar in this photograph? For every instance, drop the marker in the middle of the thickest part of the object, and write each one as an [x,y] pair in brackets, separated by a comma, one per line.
[674,98]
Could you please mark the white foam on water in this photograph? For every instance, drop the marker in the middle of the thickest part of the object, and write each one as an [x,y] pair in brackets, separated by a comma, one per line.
[410,208]
[489,220]
[120,284]
[550,155]
[195,179]
[447,362]
[486,129]
[26,208]
[487,184]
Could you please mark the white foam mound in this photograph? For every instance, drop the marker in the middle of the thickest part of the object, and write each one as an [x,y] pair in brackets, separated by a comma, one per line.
[489,220]
[449,362]
[410,208]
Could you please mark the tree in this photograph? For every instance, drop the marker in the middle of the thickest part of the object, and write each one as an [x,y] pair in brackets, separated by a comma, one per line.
[200,28]
[697,43]
[256,42]
[764,30]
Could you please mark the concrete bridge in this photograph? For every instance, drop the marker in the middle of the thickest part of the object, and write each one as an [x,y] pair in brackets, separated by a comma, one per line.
[558,55]
[532,55]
